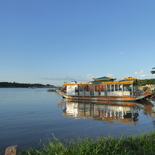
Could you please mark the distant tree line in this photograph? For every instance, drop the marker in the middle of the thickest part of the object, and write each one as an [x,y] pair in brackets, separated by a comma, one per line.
[140,82]
[23,85]
[143,82]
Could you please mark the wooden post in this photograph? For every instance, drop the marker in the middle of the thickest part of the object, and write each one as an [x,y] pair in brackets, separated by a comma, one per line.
[132,88]
[78,90]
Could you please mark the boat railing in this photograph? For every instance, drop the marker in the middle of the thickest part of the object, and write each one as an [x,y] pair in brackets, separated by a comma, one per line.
[103,93]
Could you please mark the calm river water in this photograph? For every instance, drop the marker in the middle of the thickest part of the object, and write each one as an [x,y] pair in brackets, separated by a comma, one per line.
[30,116]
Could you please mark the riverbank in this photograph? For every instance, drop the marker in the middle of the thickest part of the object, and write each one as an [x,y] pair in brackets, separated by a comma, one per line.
[138,145]
[24,85]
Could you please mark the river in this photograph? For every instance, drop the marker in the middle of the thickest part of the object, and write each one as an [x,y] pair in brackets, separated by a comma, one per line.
[29,117]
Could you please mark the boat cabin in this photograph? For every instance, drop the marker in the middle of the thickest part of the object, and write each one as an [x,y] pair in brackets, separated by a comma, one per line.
[103,86]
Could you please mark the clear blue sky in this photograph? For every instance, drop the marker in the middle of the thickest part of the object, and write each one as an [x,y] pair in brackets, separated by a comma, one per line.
[52,41]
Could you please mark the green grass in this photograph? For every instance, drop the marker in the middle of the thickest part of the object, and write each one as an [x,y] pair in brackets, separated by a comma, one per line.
[143,144]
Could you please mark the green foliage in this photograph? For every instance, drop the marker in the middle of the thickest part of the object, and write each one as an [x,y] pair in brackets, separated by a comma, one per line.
[22,85]
[153,71]
[144,144]
[145,81]
[145,88]
[153,91]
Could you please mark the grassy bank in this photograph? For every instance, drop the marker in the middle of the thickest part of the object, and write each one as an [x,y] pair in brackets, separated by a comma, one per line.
[144,144]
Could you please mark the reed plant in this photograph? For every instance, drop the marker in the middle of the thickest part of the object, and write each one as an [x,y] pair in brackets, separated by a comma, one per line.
[143,144]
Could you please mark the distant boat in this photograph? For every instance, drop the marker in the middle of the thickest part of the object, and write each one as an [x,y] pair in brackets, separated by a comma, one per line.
[33,87]
[104,89]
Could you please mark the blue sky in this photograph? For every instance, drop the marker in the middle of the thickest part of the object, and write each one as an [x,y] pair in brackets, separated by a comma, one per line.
[53,41]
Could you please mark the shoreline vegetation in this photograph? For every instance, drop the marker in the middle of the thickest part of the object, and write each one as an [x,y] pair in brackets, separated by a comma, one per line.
[24,85]
[140,82]
[142,144]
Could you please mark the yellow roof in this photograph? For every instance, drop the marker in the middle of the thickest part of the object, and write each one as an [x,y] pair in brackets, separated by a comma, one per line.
[128,80]
[105,83]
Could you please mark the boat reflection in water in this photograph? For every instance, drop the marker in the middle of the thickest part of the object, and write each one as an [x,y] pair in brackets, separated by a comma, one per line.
[112,112]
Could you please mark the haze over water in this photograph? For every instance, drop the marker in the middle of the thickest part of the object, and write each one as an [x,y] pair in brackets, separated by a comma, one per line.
[30,116]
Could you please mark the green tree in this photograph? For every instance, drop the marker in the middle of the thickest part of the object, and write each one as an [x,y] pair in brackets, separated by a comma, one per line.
[153,71]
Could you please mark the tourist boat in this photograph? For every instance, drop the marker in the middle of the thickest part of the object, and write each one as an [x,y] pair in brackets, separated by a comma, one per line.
[104,89]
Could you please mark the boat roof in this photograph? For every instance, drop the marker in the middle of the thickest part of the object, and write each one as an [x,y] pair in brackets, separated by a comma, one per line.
[105,80]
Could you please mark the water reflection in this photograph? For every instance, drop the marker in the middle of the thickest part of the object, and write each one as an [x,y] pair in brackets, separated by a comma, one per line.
[149,109]
[112,112]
